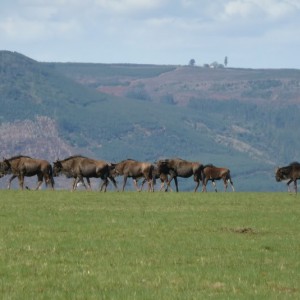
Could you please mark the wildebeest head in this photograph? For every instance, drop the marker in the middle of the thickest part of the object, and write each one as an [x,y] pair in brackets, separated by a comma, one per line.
[112,171]
[281,174]
[5,167]
[57,168]
[162,166]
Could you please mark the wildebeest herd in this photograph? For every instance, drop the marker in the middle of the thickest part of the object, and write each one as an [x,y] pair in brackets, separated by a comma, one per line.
[80,167]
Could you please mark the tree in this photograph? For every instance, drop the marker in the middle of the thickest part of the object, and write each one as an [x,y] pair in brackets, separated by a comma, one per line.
[225,61]
[192,62]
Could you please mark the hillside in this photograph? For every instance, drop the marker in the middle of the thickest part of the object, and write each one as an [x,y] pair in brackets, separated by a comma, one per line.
[256,109]
[182,84]
[242,119]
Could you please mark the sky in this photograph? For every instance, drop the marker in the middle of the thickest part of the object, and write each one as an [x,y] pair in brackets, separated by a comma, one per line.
[251,33]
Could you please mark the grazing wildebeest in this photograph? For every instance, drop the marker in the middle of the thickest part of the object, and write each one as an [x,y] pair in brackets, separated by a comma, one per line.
[290,173]
[213,173]
[21,166]
[177,167]
[79,167]
[135,170]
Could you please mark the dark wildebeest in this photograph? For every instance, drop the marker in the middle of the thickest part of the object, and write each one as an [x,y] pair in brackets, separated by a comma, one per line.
[111,176]
[21,166]
[290,173]
[157,175]
[135,170]
[79,167]
[213,173]
[177,167]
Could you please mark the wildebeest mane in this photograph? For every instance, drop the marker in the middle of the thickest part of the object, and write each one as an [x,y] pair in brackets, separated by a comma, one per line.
[166,160]
[286,170]
[177,158]
[74,156]
[294,163]
[208,165]
[127,160]
[17,157]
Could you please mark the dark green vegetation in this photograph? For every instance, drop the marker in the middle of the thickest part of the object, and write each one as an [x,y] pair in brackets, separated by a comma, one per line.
[246,120]
[84,245]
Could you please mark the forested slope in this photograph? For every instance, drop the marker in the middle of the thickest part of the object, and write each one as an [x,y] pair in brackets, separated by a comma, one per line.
[148,112]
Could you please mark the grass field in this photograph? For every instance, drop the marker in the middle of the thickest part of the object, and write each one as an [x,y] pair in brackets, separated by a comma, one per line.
[90,245]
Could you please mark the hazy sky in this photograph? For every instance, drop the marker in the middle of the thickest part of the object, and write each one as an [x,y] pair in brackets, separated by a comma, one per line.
[252,33]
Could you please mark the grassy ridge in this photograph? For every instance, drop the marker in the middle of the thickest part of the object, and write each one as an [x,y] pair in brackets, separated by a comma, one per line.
[89,245]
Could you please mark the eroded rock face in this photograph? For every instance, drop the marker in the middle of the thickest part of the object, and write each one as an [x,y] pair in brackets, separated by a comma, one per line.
[37,138]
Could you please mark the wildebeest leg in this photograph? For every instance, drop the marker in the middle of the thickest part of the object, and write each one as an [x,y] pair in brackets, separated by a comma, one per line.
[197,180]
[143,182]
[49,179]
[225,184]
[165,183]
[231,183]
[40,181]
[204,183]
[124,182]
[162,185]
[215,185]
[288,185]
[21,181]
[295,184]
[78,182]
[78,179]
[10,180]
[89,183]
[153,182]
[104,184]
[169,182]
[197,185]
[176,183]
[52,181]
[151,185]
[112,179]
[135,182]
[75,181]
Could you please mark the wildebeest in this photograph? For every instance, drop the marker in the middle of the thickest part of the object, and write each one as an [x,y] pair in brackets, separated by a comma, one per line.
[79,167]
[157,175]
[177,167]
[213,173]
[135,169]
[290,173]
[111,176]
[21,166]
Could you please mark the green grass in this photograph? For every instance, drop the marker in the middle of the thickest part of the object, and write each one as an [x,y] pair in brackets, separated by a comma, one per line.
[90,245]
